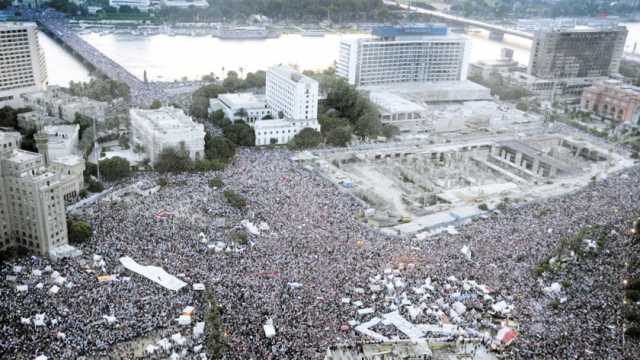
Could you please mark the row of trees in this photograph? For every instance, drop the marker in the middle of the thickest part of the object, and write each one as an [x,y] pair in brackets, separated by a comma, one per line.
[501,9]
[100,89]
[303,10]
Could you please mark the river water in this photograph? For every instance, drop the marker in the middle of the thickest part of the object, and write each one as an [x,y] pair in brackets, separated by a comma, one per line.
[168,58]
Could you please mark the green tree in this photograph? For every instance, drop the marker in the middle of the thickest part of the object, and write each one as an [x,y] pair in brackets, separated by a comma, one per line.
[115,168]
[306,138]
[234,199]
[217,343]
[173,160]
[240,134]
[390,131]
[216,182]
[340,136]
[232,82]
[200,99]
[78,231]
[219,148]
[156,104]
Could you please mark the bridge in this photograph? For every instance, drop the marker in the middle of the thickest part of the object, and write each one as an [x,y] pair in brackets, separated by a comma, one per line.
[497,32]
[55,25]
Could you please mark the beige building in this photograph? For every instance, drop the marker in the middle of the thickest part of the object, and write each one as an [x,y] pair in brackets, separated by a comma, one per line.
[614,101]
[22,65]
[32,198]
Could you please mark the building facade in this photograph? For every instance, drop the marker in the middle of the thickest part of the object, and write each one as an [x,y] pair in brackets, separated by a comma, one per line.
[167,127]
[417,53]
[247,107]
[291,94]
[22,63]
[55,102]
[278,131]
[613,100]
[577,53]
[32,199]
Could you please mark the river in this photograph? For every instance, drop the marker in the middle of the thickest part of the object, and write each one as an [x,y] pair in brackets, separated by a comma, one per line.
[168,58]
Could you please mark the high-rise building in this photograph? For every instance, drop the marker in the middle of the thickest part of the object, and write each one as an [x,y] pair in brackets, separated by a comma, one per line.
[398,54]
[22,64]
[32,198]
[292,94]
[580,52]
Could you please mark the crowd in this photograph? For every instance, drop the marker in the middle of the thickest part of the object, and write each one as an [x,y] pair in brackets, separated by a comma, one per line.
[314,240]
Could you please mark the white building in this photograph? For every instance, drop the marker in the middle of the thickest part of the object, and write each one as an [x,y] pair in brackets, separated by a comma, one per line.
[22,63]
[32,198]
[142,5]
[281,131]
[398,111]
[167,127]
[185,4]
[291,94]
[398,54]
[243,106]
[63,140]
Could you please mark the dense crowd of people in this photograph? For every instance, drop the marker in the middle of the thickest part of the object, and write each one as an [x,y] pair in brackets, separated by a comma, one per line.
[314,240]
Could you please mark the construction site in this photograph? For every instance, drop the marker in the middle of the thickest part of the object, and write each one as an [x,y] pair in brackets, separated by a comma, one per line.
[428,183]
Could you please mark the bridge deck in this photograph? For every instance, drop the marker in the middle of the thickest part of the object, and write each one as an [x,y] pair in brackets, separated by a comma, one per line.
[142,93]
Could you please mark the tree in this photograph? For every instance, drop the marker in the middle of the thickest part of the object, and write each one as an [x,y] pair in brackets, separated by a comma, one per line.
[242,113]
[219,148]
[390,131]
[173,160]
[78,231]
[340,136]
[115,168]
[234,199]
[200,99]
[8,117]
[232,82]
[240,134]
[306,138]
[156,104]
[217,343]
[216,182]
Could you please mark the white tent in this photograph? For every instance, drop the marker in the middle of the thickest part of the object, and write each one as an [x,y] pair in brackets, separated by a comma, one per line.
[153,273]
[198,330]
[54,289]
[269,329]
[39,320]
[110,319]
[198,287]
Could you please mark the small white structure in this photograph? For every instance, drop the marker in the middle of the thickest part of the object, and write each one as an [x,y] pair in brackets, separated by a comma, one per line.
[142,5]
[248,107]
[167,127]
[185,4]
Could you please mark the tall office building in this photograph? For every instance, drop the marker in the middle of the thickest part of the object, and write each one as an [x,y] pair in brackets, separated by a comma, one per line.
[397,54]
[22,64]
[292,94]
[577,53]
[32,197]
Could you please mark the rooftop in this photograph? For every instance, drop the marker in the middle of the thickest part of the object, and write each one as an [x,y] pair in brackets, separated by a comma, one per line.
[411,30]
[69,160]
[288,72]
[22,156]
[243,100]
[12,25]
[164,119]
[394,103]
[61,131]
